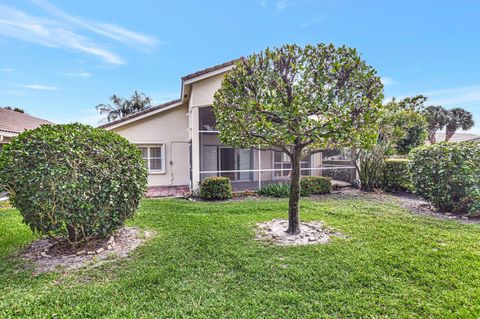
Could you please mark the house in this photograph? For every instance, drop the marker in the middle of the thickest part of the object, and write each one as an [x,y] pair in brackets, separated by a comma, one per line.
[457,137]
[13,123]
[180,144]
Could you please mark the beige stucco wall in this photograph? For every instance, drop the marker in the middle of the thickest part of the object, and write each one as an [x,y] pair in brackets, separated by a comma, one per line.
[202,93]
[170,128]
[204,90]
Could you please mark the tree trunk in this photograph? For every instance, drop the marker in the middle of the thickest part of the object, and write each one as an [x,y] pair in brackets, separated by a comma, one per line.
[293,222]
[72,234]
[449,135]
[431,137]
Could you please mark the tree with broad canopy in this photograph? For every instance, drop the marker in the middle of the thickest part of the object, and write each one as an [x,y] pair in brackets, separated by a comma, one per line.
[299,100]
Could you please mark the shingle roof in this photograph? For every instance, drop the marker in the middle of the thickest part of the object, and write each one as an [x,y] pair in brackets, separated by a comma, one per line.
[16,122]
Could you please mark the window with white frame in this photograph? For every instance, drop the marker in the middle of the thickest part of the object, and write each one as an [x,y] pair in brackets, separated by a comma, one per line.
[154,156]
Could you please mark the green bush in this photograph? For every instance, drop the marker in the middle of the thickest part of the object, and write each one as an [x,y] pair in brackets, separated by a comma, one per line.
[446,174]
[396,176]
[314,185]
[275,190]
[216,188]
[73,179]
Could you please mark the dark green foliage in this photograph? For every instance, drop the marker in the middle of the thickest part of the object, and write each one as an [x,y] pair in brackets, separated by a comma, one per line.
[311,185]
[396,177]
[73,178]
[315,185]
[299,100]
[216,188]
[446,173]
[275,190]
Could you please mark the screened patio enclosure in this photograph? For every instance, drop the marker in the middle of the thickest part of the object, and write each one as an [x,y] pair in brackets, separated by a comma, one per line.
[250,169]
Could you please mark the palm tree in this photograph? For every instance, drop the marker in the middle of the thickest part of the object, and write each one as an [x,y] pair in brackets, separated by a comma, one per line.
[436,117]
[123,107]
[458,118]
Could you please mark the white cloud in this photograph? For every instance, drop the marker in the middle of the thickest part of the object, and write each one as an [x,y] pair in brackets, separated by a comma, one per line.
[387,80]
[279,5]
[39,87]
[106,29]
[7,70]
[455,96]
[283,4]
[63,33]
[78,74]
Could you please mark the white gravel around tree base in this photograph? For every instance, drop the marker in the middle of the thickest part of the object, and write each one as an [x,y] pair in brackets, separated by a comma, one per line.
[310,233]
[119,245]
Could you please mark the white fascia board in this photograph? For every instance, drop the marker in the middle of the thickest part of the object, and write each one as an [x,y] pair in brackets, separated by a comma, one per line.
[108,128]
[207,75]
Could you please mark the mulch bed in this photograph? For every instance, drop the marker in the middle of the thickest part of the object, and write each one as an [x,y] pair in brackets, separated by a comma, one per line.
[310,233]
[49,254]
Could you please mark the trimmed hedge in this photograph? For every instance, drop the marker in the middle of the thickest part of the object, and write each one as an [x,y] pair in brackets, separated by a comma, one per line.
[73,179]
[448,174]
[216,188]
[396,176]
[315,185]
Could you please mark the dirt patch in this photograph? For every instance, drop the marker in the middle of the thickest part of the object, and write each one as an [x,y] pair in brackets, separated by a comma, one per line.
[48,254]
[310,233]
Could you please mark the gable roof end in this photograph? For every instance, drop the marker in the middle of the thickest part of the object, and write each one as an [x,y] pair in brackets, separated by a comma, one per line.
[174,103]
[134,116]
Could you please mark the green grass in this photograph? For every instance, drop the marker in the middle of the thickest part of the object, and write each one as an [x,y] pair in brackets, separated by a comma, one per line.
[204,263]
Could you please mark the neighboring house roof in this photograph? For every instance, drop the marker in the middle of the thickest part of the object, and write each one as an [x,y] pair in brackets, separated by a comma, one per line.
[457,137]
[16,122]
[168,105]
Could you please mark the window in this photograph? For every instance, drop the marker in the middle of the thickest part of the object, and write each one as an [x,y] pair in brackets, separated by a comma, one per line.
[154,156]
[207,119]
[281,161]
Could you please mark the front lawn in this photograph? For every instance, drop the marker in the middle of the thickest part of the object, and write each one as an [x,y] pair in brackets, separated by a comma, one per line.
[205,263]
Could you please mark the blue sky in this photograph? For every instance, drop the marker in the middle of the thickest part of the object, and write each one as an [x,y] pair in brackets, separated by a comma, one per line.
[59,59]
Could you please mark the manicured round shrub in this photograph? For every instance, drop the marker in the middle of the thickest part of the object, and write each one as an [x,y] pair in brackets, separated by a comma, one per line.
[446,173]
[73,179]
[315,185]
[216,188]
[396,176]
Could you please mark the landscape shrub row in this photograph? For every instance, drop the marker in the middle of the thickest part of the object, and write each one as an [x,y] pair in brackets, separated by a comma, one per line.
[396,176]
[448,175]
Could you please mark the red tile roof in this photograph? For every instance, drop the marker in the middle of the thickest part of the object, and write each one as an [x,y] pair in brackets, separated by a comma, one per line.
[16,122]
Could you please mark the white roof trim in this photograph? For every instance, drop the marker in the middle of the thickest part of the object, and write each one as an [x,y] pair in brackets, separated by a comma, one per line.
[8,134]
[136,118]
[209,74]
